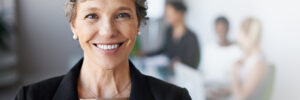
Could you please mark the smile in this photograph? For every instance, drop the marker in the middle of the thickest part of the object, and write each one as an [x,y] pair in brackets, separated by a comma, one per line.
[108,48]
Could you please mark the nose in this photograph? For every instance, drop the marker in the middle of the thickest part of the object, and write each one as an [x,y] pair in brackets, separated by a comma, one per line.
[107,28]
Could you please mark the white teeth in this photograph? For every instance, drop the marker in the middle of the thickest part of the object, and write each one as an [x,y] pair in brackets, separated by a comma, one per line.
[108,47]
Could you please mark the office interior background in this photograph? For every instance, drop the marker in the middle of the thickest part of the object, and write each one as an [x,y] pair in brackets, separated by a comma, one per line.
[42,44]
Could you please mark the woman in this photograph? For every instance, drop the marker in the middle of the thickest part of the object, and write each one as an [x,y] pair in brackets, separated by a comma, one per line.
[181,44]
[106,31]
[248,72]
[218,58]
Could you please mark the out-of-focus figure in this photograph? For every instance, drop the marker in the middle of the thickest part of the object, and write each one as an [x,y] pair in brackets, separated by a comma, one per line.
[249,71]
[181,44]
[218,59]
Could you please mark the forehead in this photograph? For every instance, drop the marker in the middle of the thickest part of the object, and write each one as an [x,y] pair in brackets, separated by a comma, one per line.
[169,6]
[105,5]
[221,23]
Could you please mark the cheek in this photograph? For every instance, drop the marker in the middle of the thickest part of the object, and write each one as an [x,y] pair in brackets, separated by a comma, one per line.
[128,30]
[242,39]
[85,34]
[170,17]
[167,18]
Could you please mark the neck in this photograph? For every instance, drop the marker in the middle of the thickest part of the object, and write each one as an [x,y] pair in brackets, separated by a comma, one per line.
[178,30]
[224,43]
[253,51]
[105,83]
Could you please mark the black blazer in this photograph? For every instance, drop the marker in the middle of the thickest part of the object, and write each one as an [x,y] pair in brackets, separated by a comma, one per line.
[65,88]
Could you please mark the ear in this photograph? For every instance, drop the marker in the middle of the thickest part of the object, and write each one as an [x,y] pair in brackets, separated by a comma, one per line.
[73,29]
[138,27]
[138,31]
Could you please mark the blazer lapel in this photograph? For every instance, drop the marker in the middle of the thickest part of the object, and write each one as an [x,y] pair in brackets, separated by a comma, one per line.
[140,89]
[67,90]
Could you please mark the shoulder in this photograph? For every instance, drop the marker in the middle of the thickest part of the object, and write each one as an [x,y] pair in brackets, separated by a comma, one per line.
[234,47]
[210,46]
[191,33]
[259,66]
[166,91]
[42,89]
[191,36]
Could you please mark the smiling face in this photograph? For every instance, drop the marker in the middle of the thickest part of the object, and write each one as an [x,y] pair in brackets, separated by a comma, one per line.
[107,30]
[221,31]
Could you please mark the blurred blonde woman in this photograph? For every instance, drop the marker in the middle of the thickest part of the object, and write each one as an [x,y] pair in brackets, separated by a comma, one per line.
[249,71]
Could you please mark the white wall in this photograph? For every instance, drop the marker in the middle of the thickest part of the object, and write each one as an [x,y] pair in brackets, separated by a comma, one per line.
[46,45]
[281,34]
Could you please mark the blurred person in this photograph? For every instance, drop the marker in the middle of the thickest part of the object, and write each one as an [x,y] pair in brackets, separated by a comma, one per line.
[249,71]
[181,44]
[106,31]
[218,58]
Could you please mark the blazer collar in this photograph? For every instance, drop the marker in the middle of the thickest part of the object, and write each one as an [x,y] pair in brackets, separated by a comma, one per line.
[67,89]
[140,88]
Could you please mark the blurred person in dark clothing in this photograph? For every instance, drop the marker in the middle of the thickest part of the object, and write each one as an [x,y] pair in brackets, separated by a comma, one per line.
[181,44]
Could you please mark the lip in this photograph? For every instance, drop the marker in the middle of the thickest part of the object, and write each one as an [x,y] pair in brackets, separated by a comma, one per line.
[108,43]
[110,51]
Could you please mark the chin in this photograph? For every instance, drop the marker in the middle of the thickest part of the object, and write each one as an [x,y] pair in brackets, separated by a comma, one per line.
[109,58]
[110,64]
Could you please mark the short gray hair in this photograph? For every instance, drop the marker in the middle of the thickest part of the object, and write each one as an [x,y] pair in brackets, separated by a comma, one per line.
[141,10]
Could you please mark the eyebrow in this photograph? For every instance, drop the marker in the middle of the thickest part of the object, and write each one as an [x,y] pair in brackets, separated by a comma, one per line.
[92,9]
[126,8]
[96,9]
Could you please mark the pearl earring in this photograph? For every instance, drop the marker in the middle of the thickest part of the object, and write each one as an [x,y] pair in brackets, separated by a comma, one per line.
[75,37]
[139,33]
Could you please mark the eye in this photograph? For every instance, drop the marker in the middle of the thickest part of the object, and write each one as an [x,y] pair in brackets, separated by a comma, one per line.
[91,16]
[123,15]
